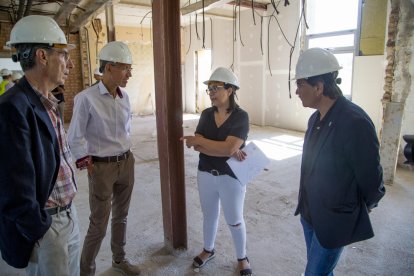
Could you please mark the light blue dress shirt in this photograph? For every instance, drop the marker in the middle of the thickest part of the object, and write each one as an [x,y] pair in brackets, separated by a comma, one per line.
[100,124]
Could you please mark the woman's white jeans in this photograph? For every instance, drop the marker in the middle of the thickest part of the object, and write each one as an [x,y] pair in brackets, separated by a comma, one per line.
[230,192]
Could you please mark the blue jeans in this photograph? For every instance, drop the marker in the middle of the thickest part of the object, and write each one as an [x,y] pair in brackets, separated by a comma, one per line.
[321,261]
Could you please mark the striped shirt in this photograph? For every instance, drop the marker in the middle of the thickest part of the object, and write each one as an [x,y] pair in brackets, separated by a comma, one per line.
[65,187]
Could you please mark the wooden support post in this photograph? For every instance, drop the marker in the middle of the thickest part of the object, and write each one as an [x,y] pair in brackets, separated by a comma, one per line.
[168,97]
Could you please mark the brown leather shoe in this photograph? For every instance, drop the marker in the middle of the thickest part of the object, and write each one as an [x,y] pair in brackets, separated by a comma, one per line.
[126,268]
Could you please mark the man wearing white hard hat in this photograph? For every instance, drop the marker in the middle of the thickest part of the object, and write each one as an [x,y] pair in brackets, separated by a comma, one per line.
[99,136]
[38,222]
[7,82]
[97,75]
[341,175]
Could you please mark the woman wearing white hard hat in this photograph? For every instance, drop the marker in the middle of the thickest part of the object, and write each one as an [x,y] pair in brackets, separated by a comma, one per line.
[341,176]
[38,221]
[221,133]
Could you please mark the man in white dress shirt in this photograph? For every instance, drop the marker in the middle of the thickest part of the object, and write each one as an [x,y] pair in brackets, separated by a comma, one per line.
[99,137]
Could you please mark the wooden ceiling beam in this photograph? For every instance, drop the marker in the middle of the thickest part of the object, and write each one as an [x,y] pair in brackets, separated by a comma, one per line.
[248,4]
[67,8]
[85,16]
[198,6]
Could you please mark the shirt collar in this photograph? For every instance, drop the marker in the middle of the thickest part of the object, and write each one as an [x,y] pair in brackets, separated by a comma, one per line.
[49,101]
[103,90]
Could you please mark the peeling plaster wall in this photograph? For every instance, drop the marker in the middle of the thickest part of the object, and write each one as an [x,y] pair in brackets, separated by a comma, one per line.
[399,85]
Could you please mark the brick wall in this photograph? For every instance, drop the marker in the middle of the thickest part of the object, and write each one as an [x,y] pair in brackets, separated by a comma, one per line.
[74,84]
[5,29]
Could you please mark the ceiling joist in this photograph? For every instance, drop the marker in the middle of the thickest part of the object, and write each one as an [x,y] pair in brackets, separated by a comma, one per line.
[248,4]
[198,6]
[67,8]
[86,15]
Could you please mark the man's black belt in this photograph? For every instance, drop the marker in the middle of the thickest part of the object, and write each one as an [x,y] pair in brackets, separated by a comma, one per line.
[54,210]
[111,159]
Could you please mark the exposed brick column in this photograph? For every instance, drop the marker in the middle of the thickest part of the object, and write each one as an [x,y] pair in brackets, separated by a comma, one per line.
[397,86]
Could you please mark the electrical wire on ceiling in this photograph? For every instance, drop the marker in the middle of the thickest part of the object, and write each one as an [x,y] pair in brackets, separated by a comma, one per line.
[68,27]
[234,22]
[254,13]
[275,6]
[254,19]
[189,44]
[292,49]
[234,35]
[261,34]
[211,39]
[204,28]
[241,41]
[28,7]
[292,45]
[142,20]
[196,27]
[97,28]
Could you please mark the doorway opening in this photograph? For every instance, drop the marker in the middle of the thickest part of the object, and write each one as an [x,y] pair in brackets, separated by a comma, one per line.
[203,69]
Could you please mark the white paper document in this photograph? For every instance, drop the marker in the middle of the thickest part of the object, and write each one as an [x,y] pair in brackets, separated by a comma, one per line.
[249,168]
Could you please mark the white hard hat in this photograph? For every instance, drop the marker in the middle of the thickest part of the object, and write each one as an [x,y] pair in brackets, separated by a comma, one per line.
[315,62]
[97,72]
[222,74]
[116,51]
[5,72]
[38,29]
[16,76]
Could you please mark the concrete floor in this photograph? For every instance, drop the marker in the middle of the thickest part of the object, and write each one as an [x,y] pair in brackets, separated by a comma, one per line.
[275,242]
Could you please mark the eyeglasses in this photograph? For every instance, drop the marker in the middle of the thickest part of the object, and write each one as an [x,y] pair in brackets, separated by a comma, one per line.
[213,88]
[123,67]
[65,54]
[300,84]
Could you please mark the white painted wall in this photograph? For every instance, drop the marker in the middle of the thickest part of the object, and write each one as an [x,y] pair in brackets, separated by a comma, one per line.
[263,95]
[222,53]
[368,86]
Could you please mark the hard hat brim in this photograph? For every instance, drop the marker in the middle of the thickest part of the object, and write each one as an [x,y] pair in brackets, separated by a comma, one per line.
[318,74]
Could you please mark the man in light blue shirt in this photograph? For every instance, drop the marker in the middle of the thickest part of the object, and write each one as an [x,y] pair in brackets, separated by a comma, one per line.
[99,137]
